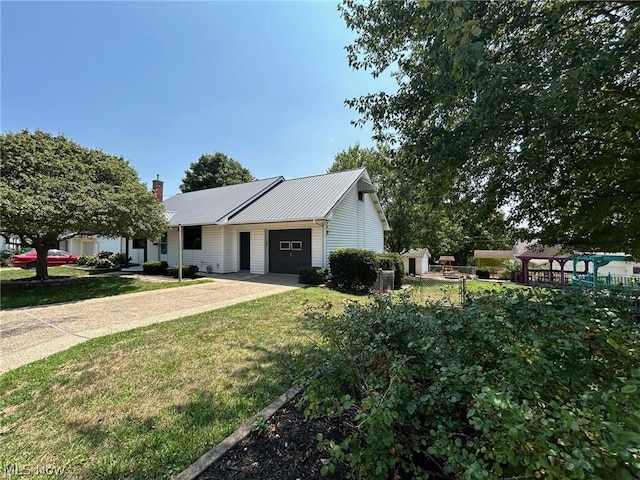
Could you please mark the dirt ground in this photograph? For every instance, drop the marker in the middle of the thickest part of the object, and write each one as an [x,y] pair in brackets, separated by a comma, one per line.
[284,449]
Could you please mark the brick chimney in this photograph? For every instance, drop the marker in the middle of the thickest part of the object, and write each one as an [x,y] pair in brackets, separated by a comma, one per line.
[157,188]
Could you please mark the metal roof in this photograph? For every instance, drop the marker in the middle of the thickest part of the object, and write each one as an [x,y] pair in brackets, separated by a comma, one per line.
[304,198]
[493,254]
[214,205]
[417,253]
[543,252]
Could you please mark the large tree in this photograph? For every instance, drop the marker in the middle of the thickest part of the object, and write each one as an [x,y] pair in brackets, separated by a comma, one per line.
[52,188]
[534,106]
[214,170]
[446,225]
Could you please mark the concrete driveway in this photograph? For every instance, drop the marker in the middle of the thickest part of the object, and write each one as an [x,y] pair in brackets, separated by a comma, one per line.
[29,334]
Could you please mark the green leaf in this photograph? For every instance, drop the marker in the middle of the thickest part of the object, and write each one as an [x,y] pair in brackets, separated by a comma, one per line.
[623,474]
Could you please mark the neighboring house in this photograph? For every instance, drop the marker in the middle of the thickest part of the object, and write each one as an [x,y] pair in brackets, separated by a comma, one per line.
[11,243]
[91,244]
[493,260]
[416,261]
[272,225]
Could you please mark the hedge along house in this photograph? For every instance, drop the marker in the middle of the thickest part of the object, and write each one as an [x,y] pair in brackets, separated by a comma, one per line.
[273,225]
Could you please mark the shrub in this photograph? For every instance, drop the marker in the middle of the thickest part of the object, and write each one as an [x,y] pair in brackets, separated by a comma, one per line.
[312,275]
[511,270]
[484,274]
[353,269]
[5,255]
[103,263]
[188,271]
[103,254]
[87,260]
[518,384]
[155,267]
[392,261]
[118,258]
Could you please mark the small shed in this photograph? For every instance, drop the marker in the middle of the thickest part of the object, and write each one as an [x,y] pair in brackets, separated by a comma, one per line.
[416,261]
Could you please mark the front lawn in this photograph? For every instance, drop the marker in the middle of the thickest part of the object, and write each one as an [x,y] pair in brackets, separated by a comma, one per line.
[83,286]
[148,402]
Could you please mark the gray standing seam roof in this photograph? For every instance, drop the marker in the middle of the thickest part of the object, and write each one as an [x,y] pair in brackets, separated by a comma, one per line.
[299,199]
[214,205]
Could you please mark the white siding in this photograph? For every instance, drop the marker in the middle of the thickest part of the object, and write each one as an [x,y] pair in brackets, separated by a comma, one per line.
[231,249]
[91,245]
[209,256]
[104,244]
[258,244]
[355,224]
[153,251]
[373,231]
[258,261]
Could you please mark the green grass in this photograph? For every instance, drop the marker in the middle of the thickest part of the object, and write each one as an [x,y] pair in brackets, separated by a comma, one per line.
[148,402]
[83,287]
[22,273]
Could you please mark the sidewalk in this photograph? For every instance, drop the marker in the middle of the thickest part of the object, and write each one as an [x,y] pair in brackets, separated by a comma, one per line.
[29,334]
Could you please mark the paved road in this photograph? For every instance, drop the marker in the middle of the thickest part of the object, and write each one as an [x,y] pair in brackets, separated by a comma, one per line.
[29,334]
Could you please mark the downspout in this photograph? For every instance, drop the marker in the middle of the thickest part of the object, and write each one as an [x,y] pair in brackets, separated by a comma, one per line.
[179,253]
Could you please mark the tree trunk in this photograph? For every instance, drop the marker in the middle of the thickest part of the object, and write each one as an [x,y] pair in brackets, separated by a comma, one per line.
[42,272]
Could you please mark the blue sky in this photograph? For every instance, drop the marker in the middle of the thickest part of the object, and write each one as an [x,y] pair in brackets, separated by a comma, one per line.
[161,83]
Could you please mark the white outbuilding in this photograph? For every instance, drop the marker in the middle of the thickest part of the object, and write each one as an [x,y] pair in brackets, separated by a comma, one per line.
[416,261]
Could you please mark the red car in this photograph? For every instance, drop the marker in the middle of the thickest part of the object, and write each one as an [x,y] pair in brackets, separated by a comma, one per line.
[54,259]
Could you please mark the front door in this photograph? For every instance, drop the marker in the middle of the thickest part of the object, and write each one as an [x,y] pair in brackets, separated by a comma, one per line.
[245,250]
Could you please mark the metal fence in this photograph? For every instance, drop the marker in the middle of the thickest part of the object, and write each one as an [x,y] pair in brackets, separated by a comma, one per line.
[440,288]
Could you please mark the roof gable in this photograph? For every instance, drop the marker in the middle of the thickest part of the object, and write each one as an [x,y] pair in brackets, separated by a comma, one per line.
[304,198]
[417,253]
[214,205]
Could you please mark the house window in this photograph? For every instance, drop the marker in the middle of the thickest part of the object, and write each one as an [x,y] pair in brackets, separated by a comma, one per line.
[296,245]
[139,243]
[163,244]
[192,238]
[285,245]
[361,196]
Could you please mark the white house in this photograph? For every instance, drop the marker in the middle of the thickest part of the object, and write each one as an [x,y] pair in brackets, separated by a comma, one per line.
[416,261]
[272,225]
[91,244]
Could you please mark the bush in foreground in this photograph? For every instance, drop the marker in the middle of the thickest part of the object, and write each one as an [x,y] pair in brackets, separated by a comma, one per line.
[518,384]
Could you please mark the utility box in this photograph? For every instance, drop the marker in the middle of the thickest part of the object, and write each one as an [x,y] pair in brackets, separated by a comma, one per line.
[384,284]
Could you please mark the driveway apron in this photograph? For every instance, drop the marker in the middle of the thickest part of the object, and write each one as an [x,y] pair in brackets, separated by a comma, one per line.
[29,334]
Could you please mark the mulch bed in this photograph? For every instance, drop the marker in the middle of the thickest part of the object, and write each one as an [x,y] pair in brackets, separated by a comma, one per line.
[285,449]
